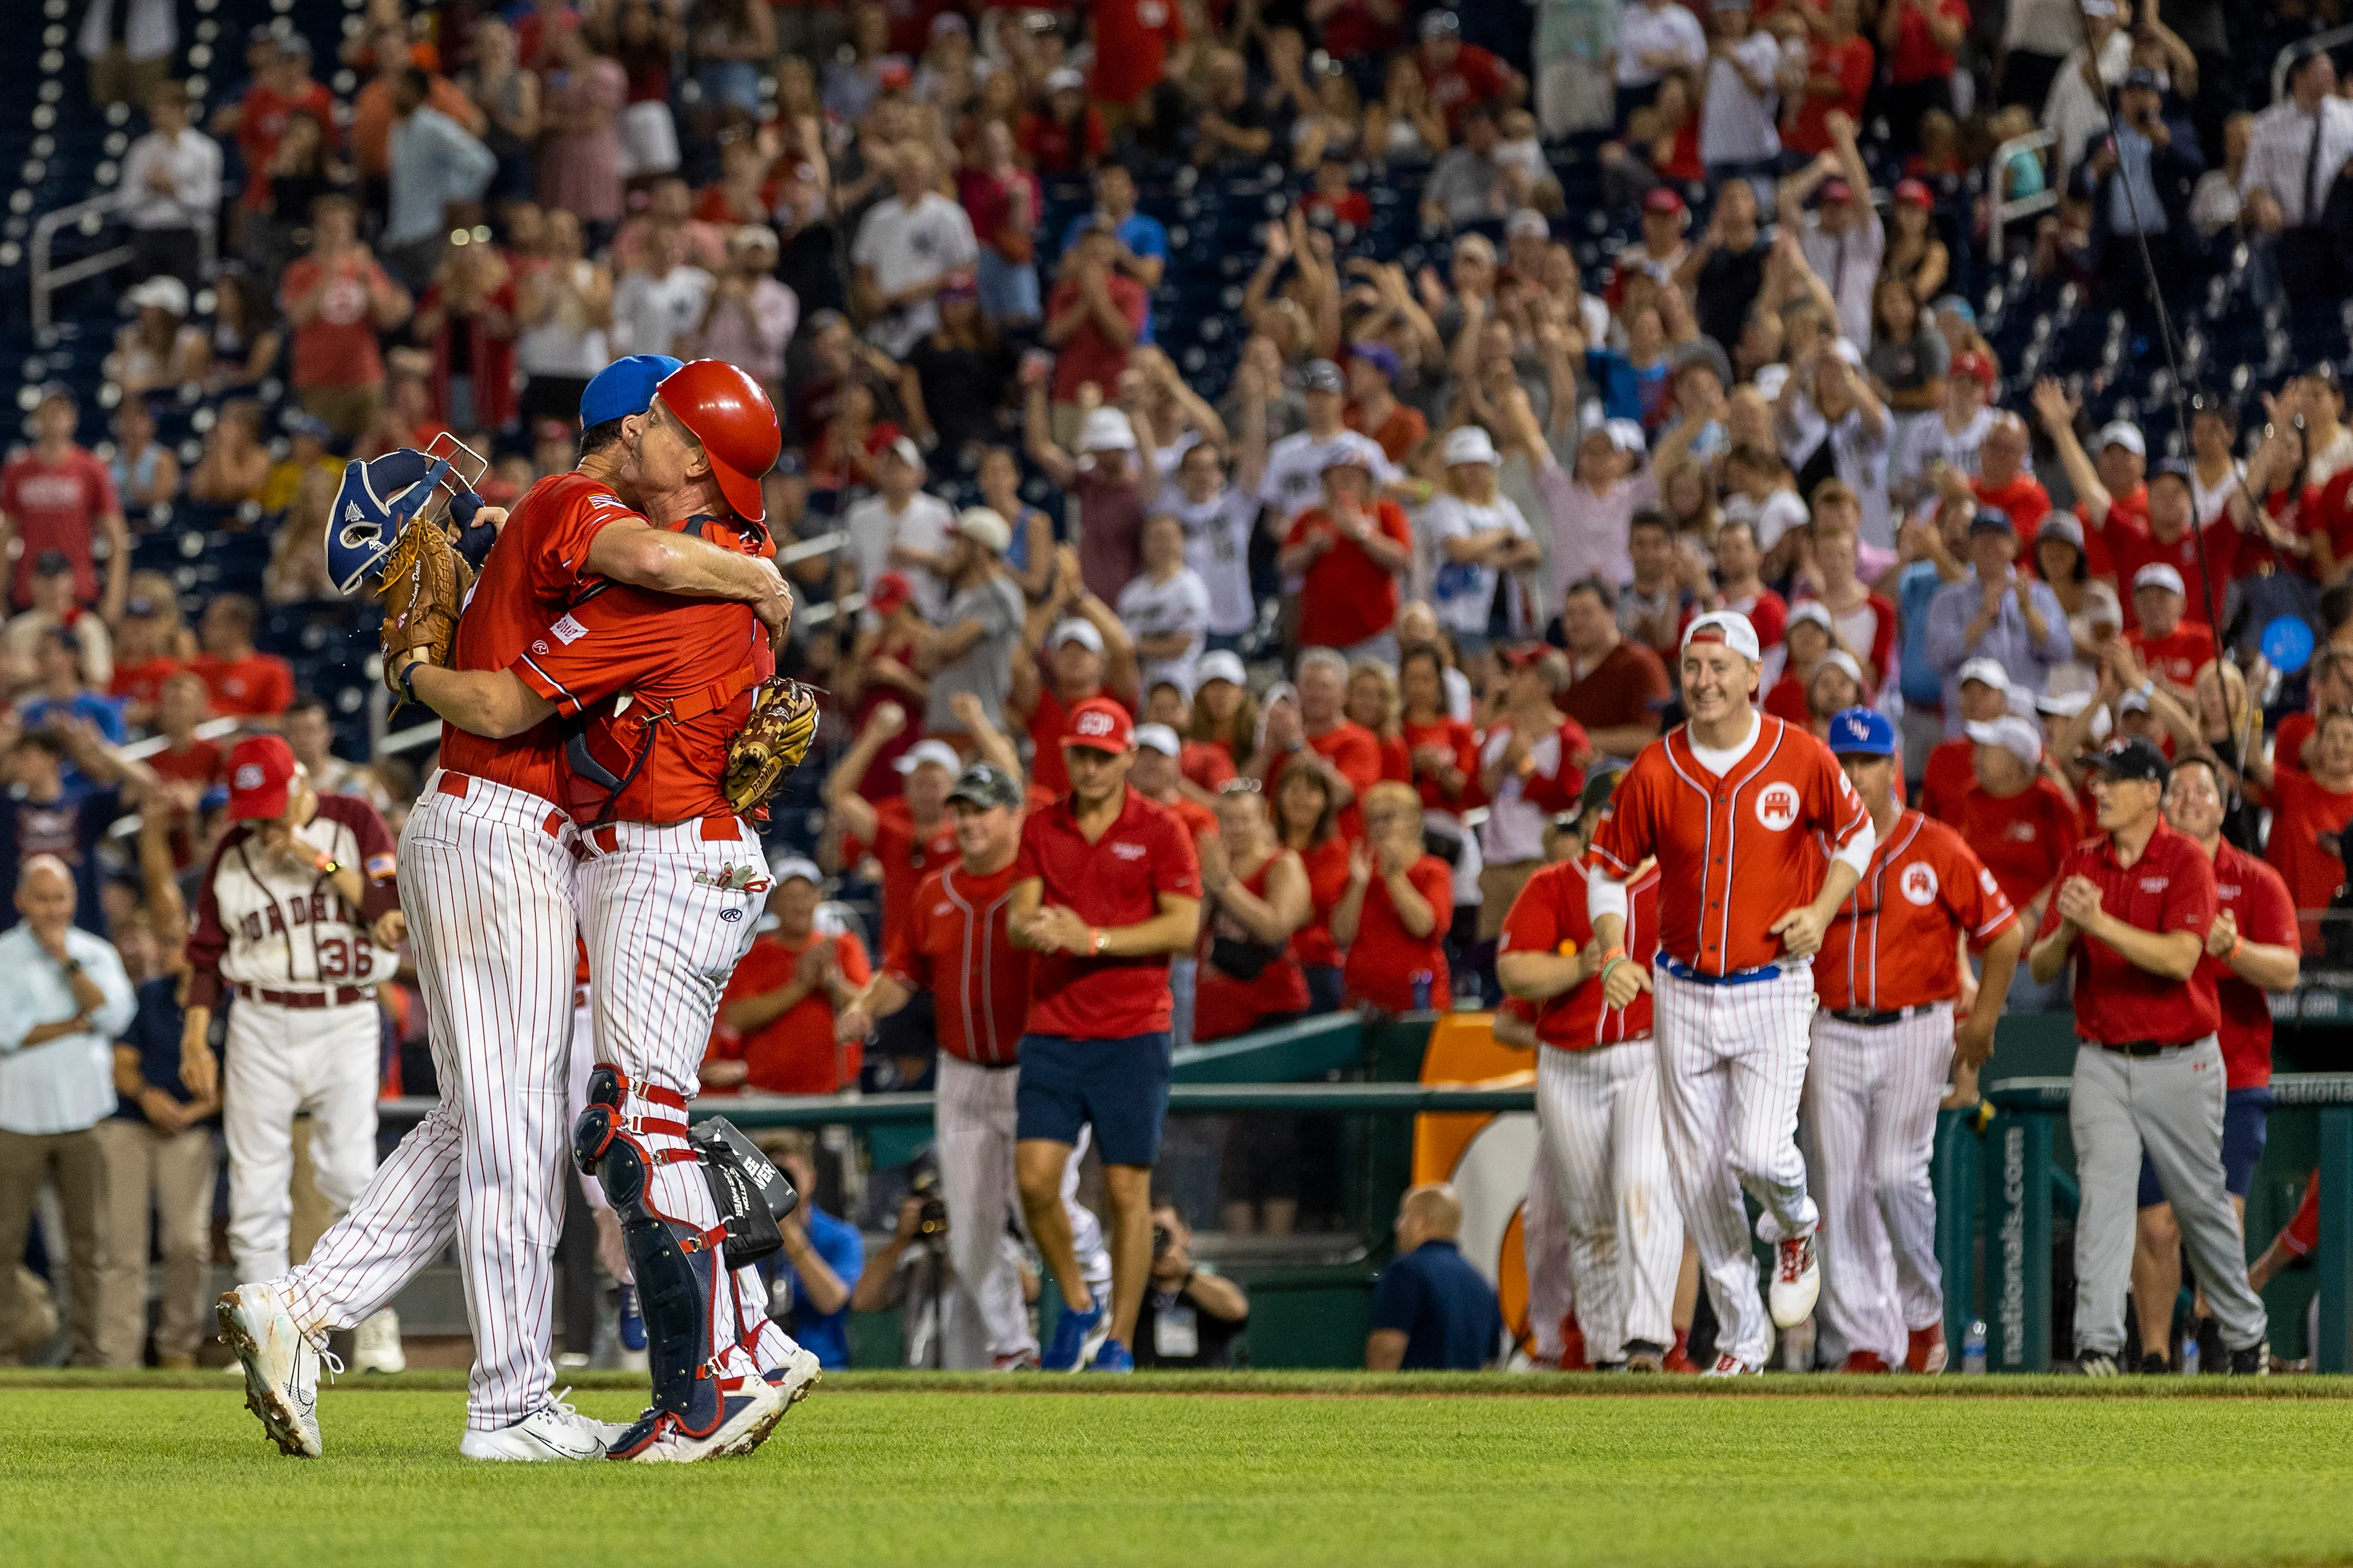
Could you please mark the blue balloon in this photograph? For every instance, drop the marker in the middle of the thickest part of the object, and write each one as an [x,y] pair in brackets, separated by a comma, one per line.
[2287,642]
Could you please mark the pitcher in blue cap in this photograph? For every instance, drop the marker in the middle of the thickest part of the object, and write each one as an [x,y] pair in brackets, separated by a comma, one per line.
[1897,1011]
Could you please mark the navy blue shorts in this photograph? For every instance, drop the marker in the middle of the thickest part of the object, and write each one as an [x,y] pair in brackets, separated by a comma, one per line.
[1118,1086]
[2246,1122]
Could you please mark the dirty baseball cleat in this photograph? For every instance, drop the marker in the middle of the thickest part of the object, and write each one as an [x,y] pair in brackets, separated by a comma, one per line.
[281,1366]
[1797,1281]
[554,1433]
[749,1409]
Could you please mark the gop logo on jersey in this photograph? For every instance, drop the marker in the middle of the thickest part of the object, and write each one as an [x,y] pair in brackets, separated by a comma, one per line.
[1919,883]
[1777,806]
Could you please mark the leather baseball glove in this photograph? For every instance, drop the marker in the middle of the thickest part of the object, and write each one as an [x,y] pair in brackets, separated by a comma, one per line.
[771,743]
[424,586]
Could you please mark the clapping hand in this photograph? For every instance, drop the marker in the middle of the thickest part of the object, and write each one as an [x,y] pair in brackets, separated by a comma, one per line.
[2079,902]
[2223,936]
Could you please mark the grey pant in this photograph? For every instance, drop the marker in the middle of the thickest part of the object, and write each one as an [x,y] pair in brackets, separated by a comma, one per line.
[2170,1104]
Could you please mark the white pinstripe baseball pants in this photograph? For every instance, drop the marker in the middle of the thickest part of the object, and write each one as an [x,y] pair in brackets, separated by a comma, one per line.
[1544,1249]
[1732,1067]
[1869,1126]
[1598,1112]
[486,886]
[975,1126]
[662,947]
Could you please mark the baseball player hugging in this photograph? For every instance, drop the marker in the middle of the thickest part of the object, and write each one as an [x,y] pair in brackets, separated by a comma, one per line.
[1729,803]
[294,919]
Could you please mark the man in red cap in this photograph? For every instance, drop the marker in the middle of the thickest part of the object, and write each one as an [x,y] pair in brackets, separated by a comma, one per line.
[1105,888]
[487,854]
[297,917]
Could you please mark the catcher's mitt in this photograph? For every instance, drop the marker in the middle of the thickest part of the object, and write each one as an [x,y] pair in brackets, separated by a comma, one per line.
[771,743]
[424,586]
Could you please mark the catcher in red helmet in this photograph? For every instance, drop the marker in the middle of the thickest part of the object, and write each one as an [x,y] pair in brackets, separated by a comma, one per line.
[677,731]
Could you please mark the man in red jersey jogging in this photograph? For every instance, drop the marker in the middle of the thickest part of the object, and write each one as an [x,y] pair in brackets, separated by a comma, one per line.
[1731,803]
[1105,888]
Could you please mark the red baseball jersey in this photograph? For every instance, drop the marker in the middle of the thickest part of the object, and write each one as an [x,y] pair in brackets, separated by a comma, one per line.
[954,943]
[2170,888]
[1549,916]
[1735,852]
[1116,880]
[1891,943]
[538,571]
[2258,899]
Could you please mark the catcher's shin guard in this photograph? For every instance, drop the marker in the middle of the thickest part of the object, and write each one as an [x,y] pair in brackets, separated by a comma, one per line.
[682,1282]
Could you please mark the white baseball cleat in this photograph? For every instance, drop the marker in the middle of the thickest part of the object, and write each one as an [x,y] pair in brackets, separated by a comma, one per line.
[554,1432]
[798,1376]
[376,1343]
[1730,1365]
[752,1410]
[1797,1281]
[281,1366]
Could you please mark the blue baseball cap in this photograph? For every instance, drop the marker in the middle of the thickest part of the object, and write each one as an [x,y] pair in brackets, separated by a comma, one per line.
[624,387]
[1861,731]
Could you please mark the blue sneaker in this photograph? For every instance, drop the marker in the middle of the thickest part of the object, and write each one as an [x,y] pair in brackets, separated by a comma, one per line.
[1113,1357]
[1077,1336]
[632,1325]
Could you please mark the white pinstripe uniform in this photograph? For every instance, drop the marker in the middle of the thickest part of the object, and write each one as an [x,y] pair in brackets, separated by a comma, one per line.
[304,1033]
[1543,1248]
[1732,833]
[1868,1118]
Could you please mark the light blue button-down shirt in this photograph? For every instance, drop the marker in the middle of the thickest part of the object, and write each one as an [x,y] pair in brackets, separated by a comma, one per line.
[65,1084]
[433,162]
[2008,641]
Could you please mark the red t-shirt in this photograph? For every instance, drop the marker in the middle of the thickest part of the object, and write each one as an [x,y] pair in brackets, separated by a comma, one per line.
[1207,766]
[1457,739]
[1386,963]
[2170,888]
[2301,811]
[200,764]
[1353,28]
[1915,56]
[2125,546]
[690,665]
[1346,595]
[538,572]
[1852,62]
[338,348]
[1473,77]
[1355,752]
[1089,353]
[257,686]
[1048,722]
[1132,38]
[2180,654]
[1947,777]
[1549,916]
[907,857]
[953,943]
[1891,943]
[1769,612]
[2287,744]
[143,682]
[56,506]
[1052,145]
[1225,1005]
[2024,498]
[2259,902]
[2021,837]
[1004,210]
[1327,878]
[1117,880]
[261,125]
[796,1053]
[1787,701]
[1348,208]
[1629,686]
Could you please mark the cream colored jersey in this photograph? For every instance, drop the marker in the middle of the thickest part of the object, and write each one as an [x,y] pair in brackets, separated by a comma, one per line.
[260,923]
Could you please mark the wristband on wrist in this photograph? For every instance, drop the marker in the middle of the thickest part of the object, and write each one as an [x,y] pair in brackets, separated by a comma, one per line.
[2236,943]
[1612,961]
[409,679]
[326,864]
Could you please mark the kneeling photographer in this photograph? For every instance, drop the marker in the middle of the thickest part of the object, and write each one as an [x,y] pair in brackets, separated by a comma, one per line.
[1191,1312]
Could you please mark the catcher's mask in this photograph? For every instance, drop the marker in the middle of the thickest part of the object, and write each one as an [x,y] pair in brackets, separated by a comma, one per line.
[381,494]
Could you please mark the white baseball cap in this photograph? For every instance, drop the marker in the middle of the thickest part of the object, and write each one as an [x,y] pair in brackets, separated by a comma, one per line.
[923,751]
[985,526]
[2062,704]
[1527,220]
[784,867]
[1352,449]
[2013,734]
[1838,658]
[1987,670]
[1159,738]
[2117,433]
[2157,575]
[1222,665]
[1471,445]
[1843,349]
[1075,630]
[161,292]
[1106,430]
[1813,611]
[1729,627]
[2133,701]
[1770,379]
[1064,80]
[907,451]
[1626,435]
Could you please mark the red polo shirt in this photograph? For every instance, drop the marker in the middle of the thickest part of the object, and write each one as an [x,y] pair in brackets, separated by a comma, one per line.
[1947,777]
[1117,880]
[2259,900]
[2021,837]
[2170,888]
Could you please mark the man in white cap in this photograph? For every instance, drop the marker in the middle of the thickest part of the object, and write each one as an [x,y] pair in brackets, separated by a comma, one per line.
[979,629]
[1158,776]
[910,836]
[1730,804]
[1475,534]
[2174,646]
[902,528]
[1981,695]
[1087,654]
[1349,555]
[2016,819]
[1106,480]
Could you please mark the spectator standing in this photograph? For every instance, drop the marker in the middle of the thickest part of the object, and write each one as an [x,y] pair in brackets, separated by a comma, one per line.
[1457,74]
[128,46]
[580,150]
[1106,478]
[2295,150]
[1392,916]
[1655,38]
[1478,542]
[2140,181]
[1002,201]
[467,316]
[2308,804]
[170,189]
[282,91]
[907,247]
[1432,1310]
[2014,815]
[1737,135]
[1842,239]
[776,1031]
[2077,108]
[564,307]
[1349,554]
[1095,315]
[1617,689]
[338,298]
[433,163]
[1996,611]
[1531,764]
[1919,39]
[2134,910]
[1219,518]
[55,612]
[1231,125]
[1133,39]
[900,528]
[1255,900]
[1088,654]
[970,656]
[1837,82]
[57,495]
[244,683]
[659,304]
[1466,184]
[63,999]
[1165,608]
[1106,886]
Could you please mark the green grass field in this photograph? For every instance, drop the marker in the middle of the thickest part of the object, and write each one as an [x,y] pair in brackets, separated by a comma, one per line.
[1262,1468]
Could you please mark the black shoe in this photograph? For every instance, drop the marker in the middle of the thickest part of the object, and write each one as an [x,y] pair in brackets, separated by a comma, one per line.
[2211,1356]
[2096,1363]
[2153,1364]
[2256,1360]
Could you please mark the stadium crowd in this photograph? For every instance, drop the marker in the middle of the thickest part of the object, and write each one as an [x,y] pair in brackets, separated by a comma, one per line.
[1362,394]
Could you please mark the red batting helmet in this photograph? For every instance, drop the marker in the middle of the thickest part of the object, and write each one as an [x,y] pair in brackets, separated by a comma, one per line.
[733,418]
